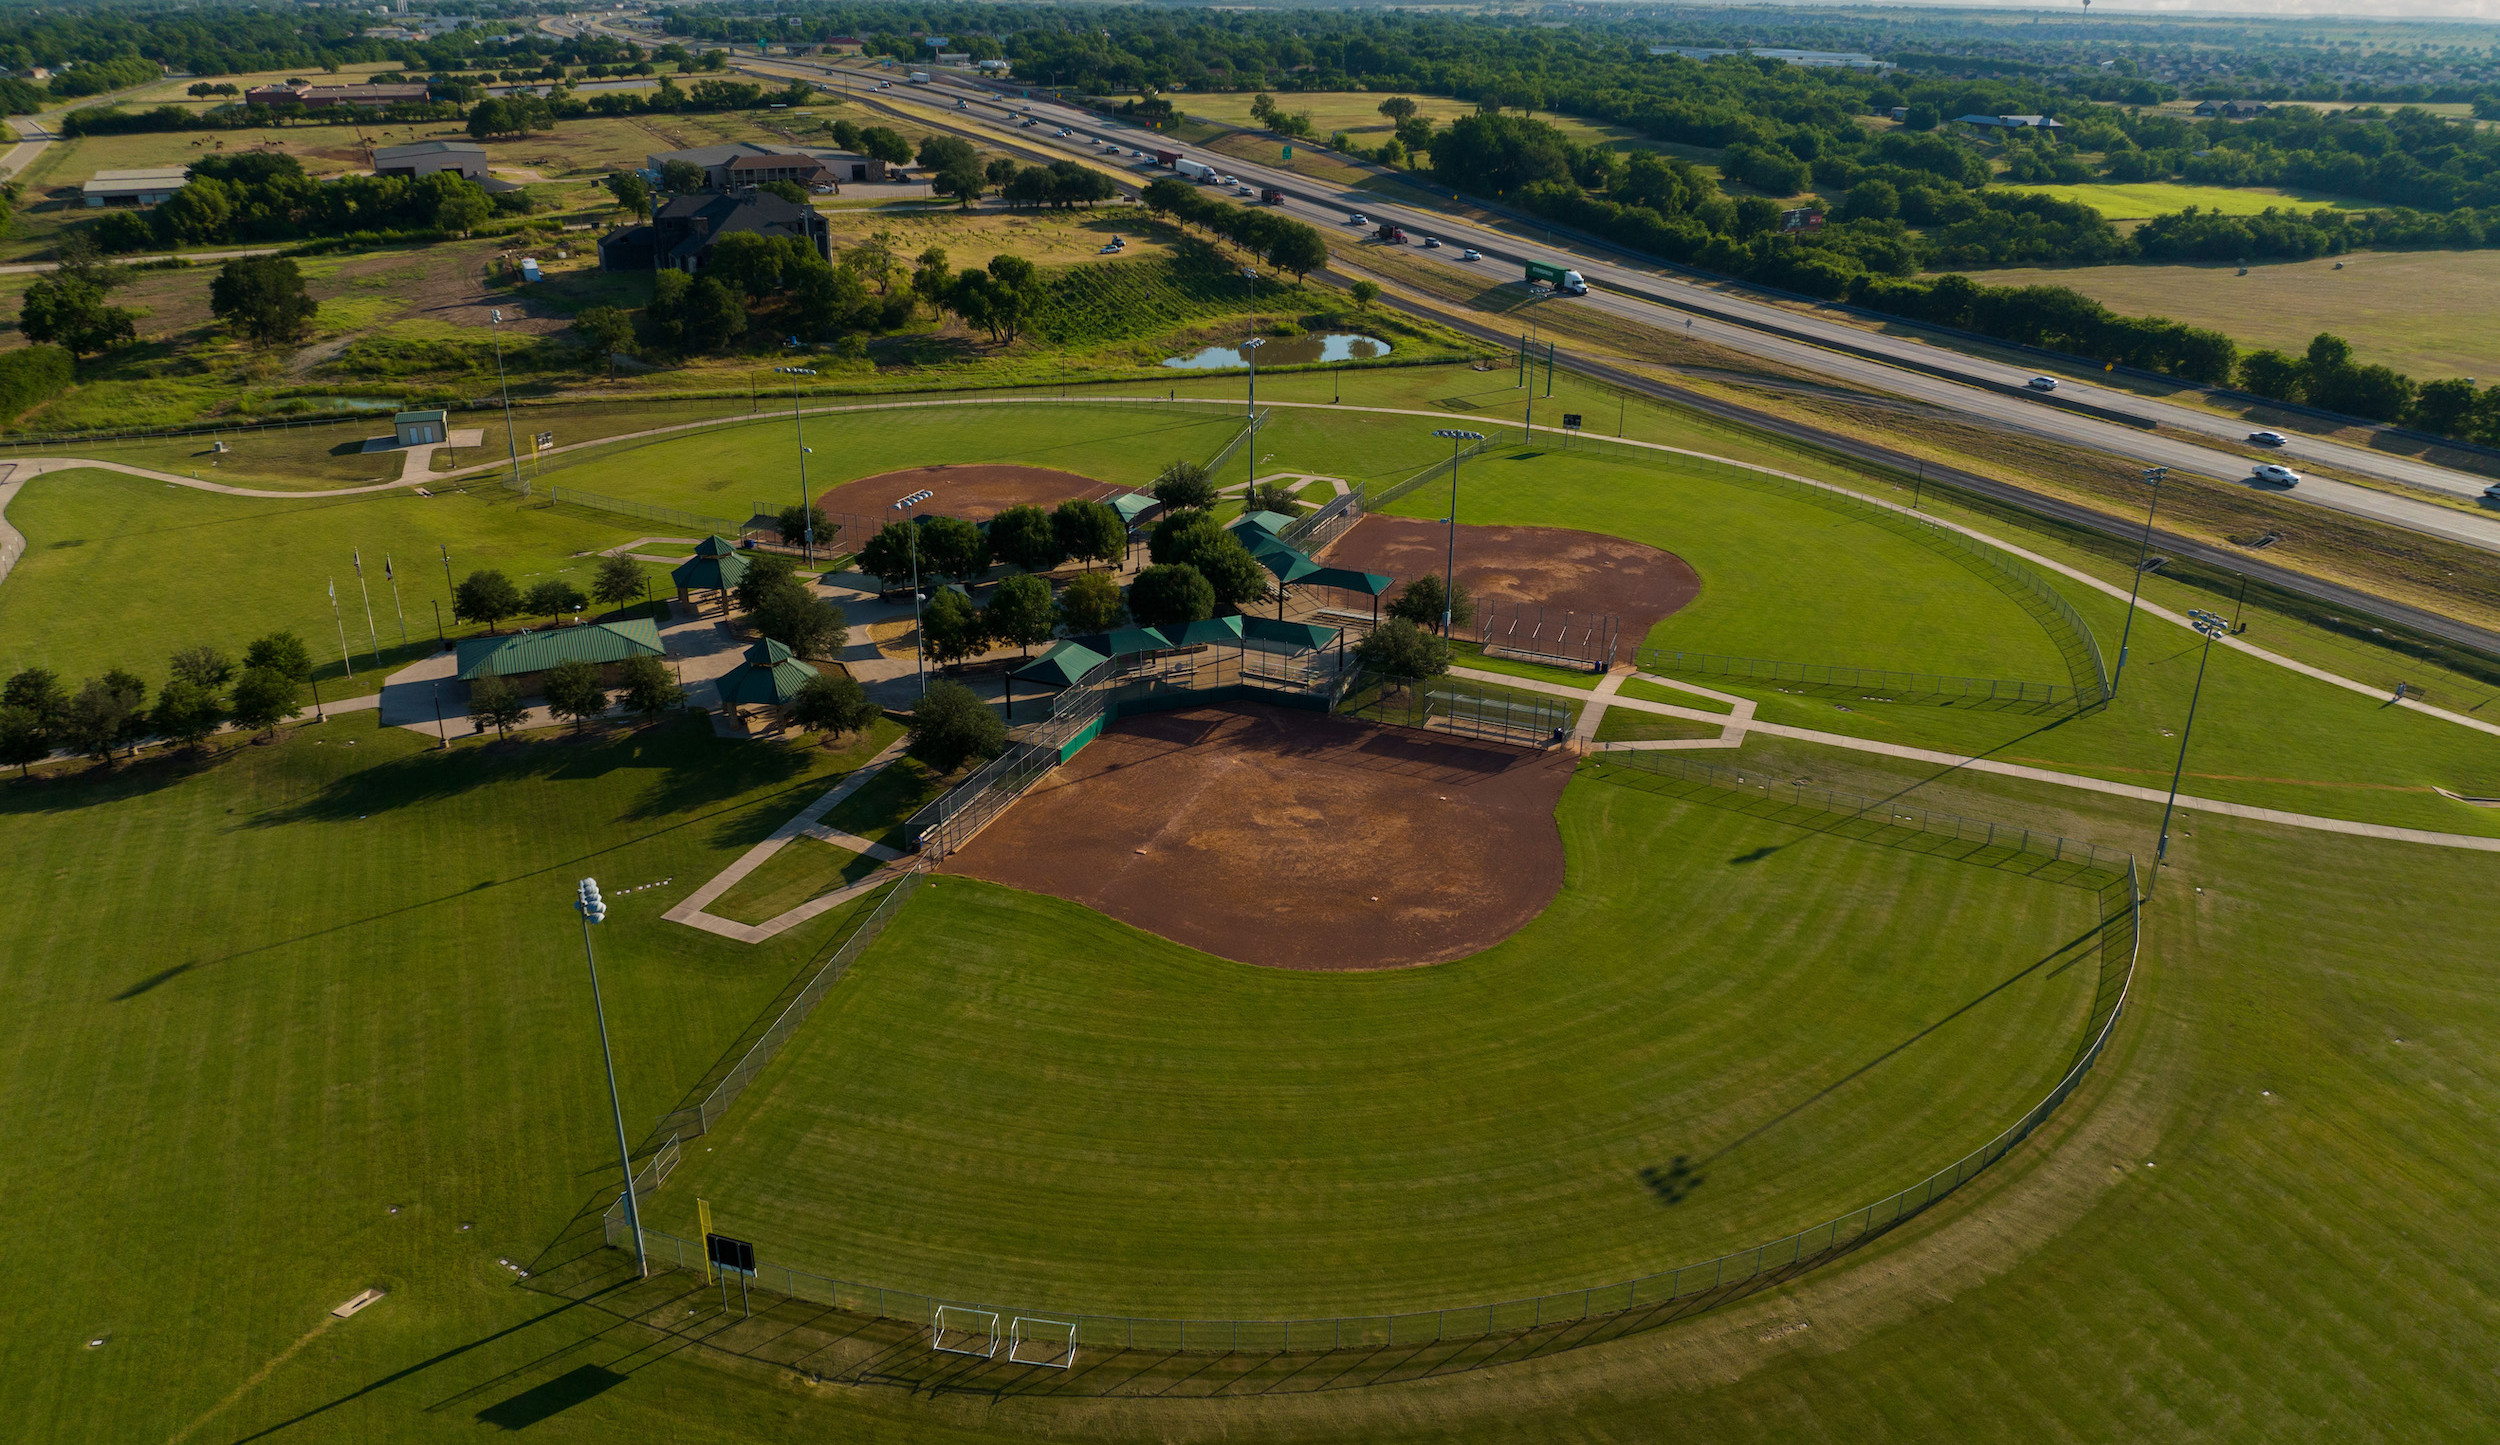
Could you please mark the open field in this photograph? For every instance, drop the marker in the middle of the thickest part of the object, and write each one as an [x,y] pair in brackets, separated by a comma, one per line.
[2421,312]
[2159,198]
[1172,1134]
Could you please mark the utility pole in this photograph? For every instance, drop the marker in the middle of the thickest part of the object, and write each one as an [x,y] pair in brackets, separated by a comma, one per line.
[2209,626]
[2144,551]
[511,447]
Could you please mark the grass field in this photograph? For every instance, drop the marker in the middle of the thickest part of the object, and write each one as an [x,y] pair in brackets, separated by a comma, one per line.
[2160,198]
[1161,1132]
[2421,312]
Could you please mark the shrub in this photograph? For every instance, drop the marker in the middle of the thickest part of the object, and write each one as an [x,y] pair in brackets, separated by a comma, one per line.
[950,725]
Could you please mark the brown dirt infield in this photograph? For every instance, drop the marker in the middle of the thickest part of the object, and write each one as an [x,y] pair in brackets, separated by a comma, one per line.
[1553,567]
[974,493]
[1265,835]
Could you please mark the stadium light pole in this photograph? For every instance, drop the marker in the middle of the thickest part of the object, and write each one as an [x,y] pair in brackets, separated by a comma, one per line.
[594,909]
[2210,626]
[1449,570]
[920,638]
[511,447]
[2144,550]
[1250,353]
[807,513]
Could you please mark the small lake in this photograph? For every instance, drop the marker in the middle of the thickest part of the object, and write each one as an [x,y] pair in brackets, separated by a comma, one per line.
[1287,351]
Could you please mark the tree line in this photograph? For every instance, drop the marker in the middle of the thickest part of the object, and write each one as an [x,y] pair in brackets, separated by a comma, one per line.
[110,715]
[1282,242]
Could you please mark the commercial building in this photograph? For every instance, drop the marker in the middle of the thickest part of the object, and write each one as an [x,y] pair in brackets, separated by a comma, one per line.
[681,237]
[322,97]
[425,157]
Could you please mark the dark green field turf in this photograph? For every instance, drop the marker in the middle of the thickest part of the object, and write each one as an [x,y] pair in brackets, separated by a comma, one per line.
[1723,1030]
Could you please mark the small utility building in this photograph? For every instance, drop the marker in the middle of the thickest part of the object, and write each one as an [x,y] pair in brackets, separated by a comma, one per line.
[151,187]
[419,428]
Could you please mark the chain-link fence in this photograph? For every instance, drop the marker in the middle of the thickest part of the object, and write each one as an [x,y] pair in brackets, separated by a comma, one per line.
[2117,940]
[1314,530]
[1374,501]
[1876,683]
[555,496]
[1248,433]
[1462,706]
[949,822]
[1538,633]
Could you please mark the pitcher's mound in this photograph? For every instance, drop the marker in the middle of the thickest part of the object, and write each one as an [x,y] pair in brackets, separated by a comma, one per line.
[974,493]
[1275,836]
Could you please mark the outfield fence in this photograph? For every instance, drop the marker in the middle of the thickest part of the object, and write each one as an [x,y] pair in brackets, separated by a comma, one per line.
[1863,680]
[1459,705]
[1216,464]
[699,1117]
[1373,501]
[555,496]
[1632,1303]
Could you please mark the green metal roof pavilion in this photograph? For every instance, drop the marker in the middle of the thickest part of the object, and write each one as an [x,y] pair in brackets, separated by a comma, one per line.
[716,566]
[770,676]
[527,652]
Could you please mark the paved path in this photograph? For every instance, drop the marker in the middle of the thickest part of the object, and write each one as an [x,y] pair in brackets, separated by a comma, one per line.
[808,821]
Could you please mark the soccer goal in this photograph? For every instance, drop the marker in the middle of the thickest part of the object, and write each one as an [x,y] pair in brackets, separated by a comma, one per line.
[962,1331]
[1041,1342]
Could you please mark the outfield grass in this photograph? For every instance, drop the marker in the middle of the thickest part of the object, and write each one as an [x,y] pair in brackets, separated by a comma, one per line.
[1133,1127]
[1780,573]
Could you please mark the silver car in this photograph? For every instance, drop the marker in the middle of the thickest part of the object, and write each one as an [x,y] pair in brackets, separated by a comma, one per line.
[2273,475]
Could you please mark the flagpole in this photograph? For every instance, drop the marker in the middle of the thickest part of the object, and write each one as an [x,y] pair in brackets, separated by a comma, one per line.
[401,612]
[344,660]
[370,629]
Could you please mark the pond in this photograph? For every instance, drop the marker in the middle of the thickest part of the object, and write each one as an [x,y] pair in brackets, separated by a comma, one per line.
[300,405]
[1287,351]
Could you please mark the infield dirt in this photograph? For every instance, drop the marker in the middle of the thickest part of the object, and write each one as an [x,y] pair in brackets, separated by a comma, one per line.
[1552,567]
[1279,837]
[974,493]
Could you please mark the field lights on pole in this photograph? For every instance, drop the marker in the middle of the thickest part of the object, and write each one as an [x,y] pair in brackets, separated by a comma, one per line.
[2143,552]
[594,909]
[920,638]
[511,447]
[807,514]
[2209,626]
[1449,571]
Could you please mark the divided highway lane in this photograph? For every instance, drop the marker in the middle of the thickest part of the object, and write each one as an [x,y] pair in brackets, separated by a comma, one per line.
[1967,387]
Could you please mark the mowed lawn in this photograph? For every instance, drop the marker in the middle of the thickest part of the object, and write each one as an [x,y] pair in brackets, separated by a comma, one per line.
[2425,313]
[1723,1030]
[1782,575]
[281,1027]
[121,571]
[2160,198]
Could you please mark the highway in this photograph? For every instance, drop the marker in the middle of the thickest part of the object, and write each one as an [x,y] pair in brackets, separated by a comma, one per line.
[1986,391]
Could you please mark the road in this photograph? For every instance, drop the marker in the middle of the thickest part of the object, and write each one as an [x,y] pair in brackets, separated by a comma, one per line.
[2080,414]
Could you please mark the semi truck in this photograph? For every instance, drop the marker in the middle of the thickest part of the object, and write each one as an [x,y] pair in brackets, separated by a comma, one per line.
[1167,158]
[1271,196]
[919,77]
[1392,233]
[1565,283]
[1198,171]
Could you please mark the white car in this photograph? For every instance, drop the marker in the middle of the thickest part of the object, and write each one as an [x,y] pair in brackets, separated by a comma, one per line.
[1432,243]
[2267,438]
[1471,254]
[1063,130]
[1357,218]
[2043,383]
[2492,493]
[2273,475]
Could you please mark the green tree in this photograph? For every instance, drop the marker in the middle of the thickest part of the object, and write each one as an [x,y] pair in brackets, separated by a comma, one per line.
[714,315]
[72,314]
[803,525]
[186,712]
[1419,602]
[205,666]
[1091,531]
[950,725]
[964,180]
[1091,603]
[1398,648]
[950,627]
[888,556]
[1019,612]
[931,276]
[954,548]
[874,260]
[485,596]
[1168,594]
[802,621]
[631,192]
[553,598]
[106,713]
[1025,537]
[683,177]
[1364,293]
[606,332]
[645,687]
[833,702]
[885,144]
[1274,497]
[281,652]
[1297,248]
[263,698]
[495,702]
[263,297]
[1184,486]
[1196,540]
[574,692]
[24,740]
[617,580]
[1397,108]
[790,191]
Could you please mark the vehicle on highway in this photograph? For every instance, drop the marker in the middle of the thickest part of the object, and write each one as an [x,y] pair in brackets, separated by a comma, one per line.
[1471,254]
[1064,131]
[2492,493]
[1272,196]
[1198,171]
[1028,124]
[2268,438]
[1432,243]
[1357,218]
[1564,281]
[1230,180]
[959,105]
[1392,233]
[2273,475]
[1241,190]
[2042,383]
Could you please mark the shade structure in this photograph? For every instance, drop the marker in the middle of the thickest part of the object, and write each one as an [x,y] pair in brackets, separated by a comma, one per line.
[770,675]
[599,643]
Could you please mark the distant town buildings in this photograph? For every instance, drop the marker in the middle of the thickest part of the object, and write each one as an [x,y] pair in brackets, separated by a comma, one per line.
[321,97]
[681,237]
[746,163]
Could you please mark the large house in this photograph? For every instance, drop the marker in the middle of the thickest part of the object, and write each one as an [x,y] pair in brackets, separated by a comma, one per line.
[681,237]
[322,97]
[745,163]
[2047,124]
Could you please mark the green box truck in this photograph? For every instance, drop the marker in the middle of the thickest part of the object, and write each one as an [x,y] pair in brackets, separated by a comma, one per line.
[1565,283]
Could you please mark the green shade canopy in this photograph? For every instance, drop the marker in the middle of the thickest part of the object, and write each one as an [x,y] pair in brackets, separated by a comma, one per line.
[1062,666]
[716,545]
[526,652]
[1206,630]
[709,571]
[1134,639]
[1131,506]
[1271,523]
[771,675]
[1370,584]
[1269,634]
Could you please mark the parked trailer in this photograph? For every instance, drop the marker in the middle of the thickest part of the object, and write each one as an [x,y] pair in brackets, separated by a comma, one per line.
[1565,283]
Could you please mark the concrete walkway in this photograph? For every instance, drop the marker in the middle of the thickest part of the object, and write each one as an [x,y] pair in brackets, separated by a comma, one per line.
[808,822]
